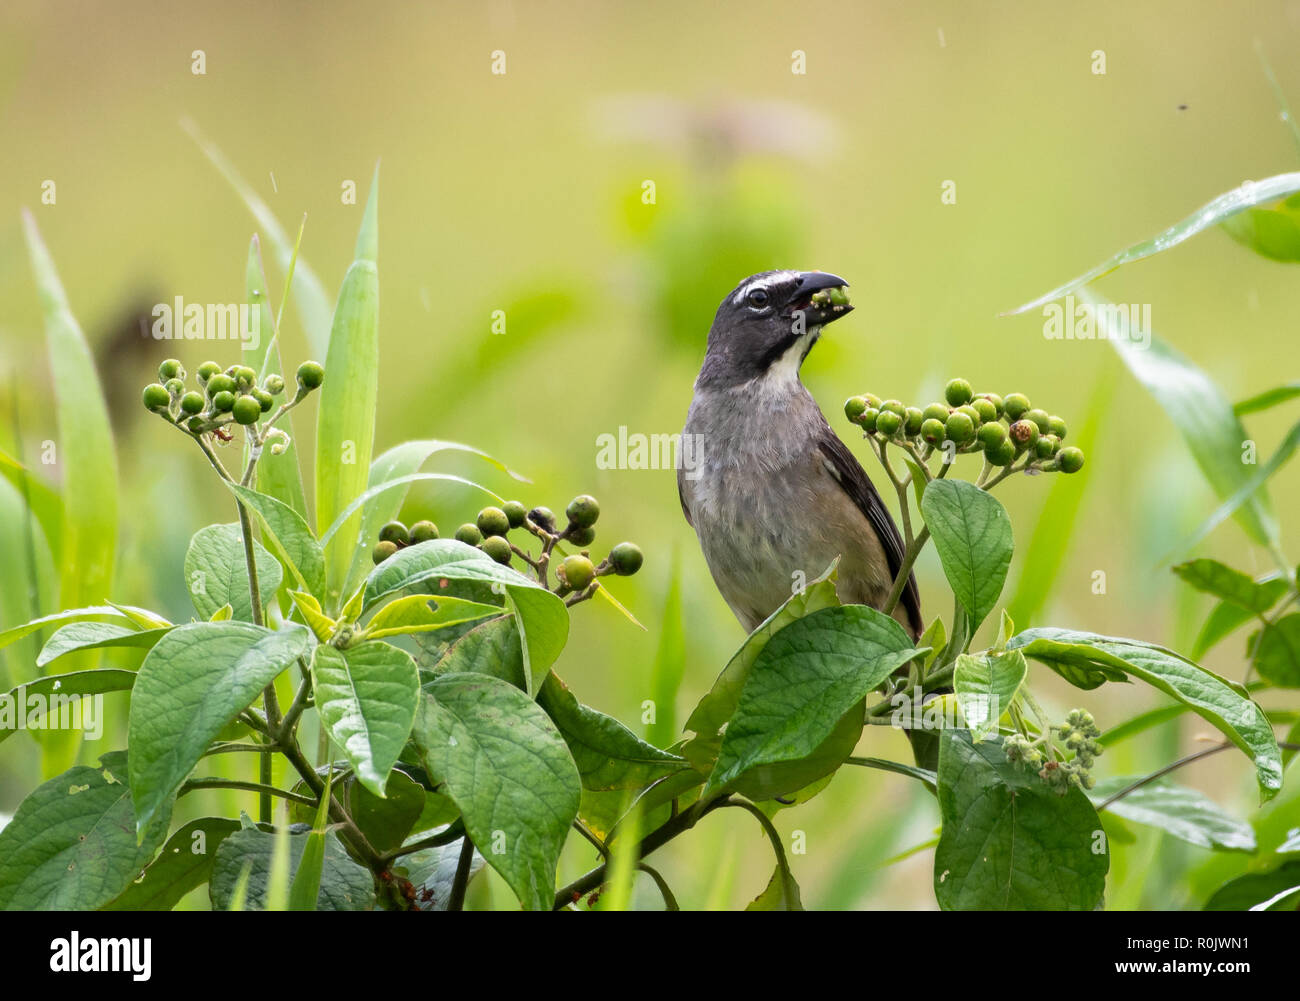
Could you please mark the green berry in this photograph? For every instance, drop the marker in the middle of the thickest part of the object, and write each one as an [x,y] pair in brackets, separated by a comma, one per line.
[839,296]
[1046,446]
[868,419]
[1001,454]
[171,369]
[888,423]
[498,548]
[932,431]
[1015,405]
[469,534]
[894,406]
[912,425]
[493,521]
[220,383]
[957,392]
[583,511]
[936,412]
[854,407]
[959,427]
[543,518]
[991,435]
[582,536]
[1024,434]
[206,371]
[310,375]
[872,400]
[1057,427]
[192,402]
[515,512]
[625,558]
[986,410]
[175,387]
[273,384]
[1040,418]
[422,531]
[394,532]
[246,410]
[995,400]
[382,551]
[970,412]
[156,397]
[264,399]
[196,424]
[224,401]
[245,377]
[1070,459]
[578,572]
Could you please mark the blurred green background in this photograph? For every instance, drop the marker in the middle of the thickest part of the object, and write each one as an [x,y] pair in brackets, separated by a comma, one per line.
[523,192]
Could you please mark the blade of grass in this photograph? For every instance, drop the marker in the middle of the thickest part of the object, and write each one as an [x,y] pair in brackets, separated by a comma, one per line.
[306,881]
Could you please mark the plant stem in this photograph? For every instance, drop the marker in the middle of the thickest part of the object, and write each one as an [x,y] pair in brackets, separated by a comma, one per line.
[456,902]
[782,863]
[670,902]
[266,791]
[905,569]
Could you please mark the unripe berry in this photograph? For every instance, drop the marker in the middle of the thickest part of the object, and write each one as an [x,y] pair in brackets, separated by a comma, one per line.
[888,423]
[422,531]
[196,425]
[192,402]
[895,407]
[245,377]
[991,435]
[498,548]
[854,407]
[1070,459]
[868,419]
[1046,446]
[543,518]
[959,427]
[156,398]
[1024,434]
[970,412]
[957,392]
[986,410]
[515,512]
[582,536]
[246,410]
[1040,418]
[469,534]
[273,384]
[625,558]
[872,400]
[912,424]
[936,412]
[220,383]
[394,532]
[171,369]
[206,371]
[223,402]
[1015,405]
[1057,427]
[995,400]
[1001,454]
[578,572]
[932,431]
[310,375]
[493,521]
[176,387]
[583,511]
[382,551]
[264,399]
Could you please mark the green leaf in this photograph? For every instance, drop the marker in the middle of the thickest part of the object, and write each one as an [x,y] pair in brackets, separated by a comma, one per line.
[76,683]
[1224,582]
[1277,652]
[1272,232]
[492,647]
[608,754]
[349,398]
[42,500]
[542,617]
[1274,891]
[781,894]
[87,538]
[96,635]
[183,864]
[72,844]
[344,885]
[1009,842]
[508,770]
[1267,399]
[386,822]
[973,536]
[217,575]
[1227,616]
[321,625]
[1185,813]
[807,677]
[419,613]
[94,613]
[288,534]
[305,887]
[366,696]
[197,679]
[364,500]
[985,684]
[1088,659]
[1213,212]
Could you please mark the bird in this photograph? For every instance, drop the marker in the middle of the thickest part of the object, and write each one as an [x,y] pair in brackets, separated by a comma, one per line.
[772,492]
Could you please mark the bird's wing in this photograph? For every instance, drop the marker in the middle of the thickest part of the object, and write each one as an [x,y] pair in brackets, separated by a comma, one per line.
[681,493]
[851,476]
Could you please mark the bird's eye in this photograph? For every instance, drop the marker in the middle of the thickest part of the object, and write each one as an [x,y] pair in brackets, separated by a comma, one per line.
[757,297]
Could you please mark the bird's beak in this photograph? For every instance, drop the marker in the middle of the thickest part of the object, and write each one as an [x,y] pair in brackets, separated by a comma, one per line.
[822,298]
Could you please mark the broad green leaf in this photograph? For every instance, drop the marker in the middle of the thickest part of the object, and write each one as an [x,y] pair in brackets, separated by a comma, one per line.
[321,625]
[363,501]
[433,870]
[419,613]
[349,398]
[1224,582]
[803,682]
[1267,399]
[781,894]
[1227,616]
[1009,841]
[492,647]
[96,635]
[1185,813]
[305,887]
[507,768]
[87,538]
[94,613]
[1277,652]
[1225,206]
[216,574]
[787,779]
[74,684]
[985,684]
[71,845]
[972,533]
[1272,231]
[142,617]
[386,822]
[183,864]
[196,680]
[608,754]
[344,885]
[1088,659]
[542,617]
[289,536]
[366,696]
[1141,723]
[1276,890]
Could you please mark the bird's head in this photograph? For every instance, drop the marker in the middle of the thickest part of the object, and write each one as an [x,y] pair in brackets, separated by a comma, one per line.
[768,323]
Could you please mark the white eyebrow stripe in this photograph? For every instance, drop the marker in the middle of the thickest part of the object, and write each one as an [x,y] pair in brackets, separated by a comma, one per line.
[767,281]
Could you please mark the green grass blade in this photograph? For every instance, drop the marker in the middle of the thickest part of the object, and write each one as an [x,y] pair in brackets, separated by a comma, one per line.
[669,664]
[306,881]
[1268,398]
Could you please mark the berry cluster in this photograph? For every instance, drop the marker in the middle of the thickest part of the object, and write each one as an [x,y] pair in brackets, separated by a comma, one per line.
[224,397]
[490,532]
[1079,733]
[1004,429]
